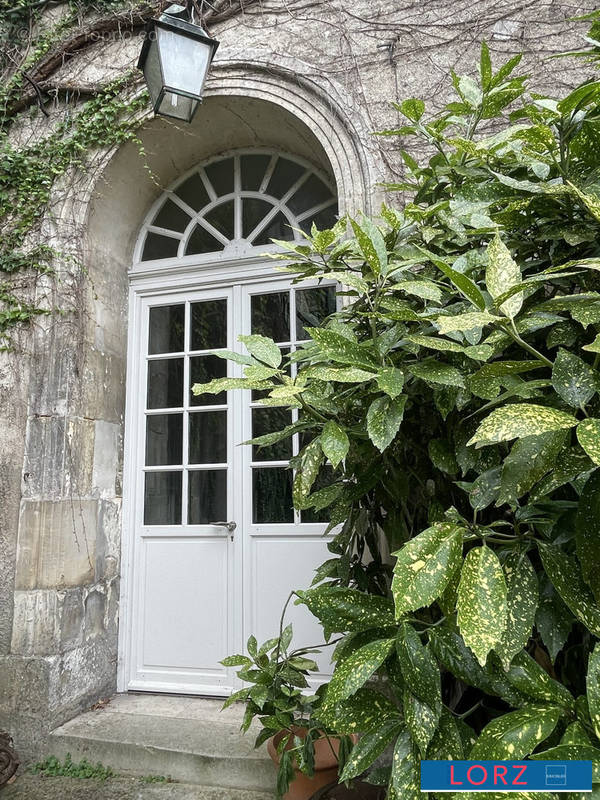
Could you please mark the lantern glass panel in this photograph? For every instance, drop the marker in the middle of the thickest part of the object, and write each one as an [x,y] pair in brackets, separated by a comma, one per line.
[176,105]
[152,73]
[184,60]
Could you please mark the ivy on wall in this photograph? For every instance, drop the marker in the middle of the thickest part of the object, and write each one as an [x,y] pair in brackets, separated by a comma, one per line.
[36,38]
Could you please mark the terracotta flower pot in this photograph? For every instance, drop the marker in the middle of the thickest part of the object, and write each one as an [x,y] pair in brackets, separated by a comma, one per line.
[326,765]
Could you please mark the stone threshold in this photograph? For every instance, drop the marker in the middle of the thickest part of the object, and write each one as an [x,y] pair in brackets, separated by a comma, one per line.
[188,739]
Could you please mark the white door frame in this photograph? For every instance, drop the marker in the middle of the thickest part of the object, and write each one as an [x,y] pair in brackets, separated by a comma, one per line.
[144,285]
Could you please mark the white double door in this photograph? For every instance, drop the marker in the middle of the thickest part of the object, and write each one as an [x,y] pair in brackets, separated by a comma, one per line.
[198,589]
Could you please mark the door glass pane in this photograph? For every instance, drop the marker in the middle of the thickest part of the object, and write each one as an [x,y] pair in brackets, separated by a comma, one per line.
[208,437]
[284,176]
[272,495]
[166,329]
[312,307]
[207,496]
[201,241]
[278,228]
[165,383]
[221,218]
[202,370]
[268,420]
[208,325]
[193,192]
[162,498]
[324,220]
[164,443]
[312,193]
[270,315]
[220,174]
[253,170]
[172,217]
[157,246]
[253,211]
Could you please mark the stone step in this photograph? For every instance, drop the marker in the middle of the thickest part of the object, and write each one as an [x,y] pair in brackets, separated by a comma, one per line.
[186,739]
[36,787]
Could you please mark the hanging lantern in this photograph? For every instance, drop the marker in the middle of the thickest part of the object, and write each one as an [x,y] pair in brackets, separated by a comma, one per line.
[175,59]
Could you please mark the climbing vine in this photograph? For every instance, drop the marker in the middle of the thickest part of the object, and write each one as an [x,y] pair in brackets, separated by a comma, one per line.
[32,49]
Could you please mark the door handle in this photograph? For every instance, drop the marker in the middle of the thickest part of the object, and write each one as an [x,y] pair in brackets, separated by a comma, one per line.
[231,526]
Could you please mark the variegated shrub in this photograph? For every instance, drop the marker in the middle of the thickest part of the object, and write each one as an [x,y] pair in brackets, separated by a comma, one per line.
[451,417]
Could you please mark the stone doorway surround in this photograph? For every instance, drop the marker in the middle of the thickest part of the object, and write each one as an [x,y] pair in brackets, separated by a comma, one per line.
[60,608]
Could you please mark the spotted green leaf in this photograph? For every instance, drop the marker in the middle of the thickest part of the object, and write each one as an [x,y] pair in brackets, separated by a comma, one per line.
[405,769]
[529,460]
[593,347]
[225,384]
[593,688]
[426,290]
[438,373]
[486,382]
[573,379]
[565,574]
[516,734]
[419,668]
[340,349]
[484,489]
[372,244]
[311,460]
[263,349]
[442,456]
[587,536]
[463,283]
[334,442]
[517,420]
[569,465]
[364,710]
[501,274]
[339,375]
[390,380]
[369,747]
[340,609]
[435,343]
[451,323]
[451,651]
[425,565]
[588,433]
[526,675]
[383,420]
[521,605]
[353,672]
[446,742]
[481,603]
[412,108]
[421,720]
[554,622]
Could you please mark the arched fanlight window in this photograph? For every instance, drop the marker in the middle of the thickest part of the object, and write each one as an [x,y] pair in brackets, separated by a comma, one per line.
[238,203]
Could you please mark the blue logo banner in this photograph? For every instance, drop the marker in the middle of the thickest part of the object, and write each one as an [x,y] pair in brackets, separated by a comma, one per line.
[506,776]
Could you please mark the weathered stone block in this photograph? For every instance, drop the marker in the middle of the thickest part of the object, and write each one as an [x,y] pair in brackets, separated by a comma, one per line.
[58,460]
[57,544]
[107,444]
[36,618]
[103,386]
[71,619]
[108,542]
[95,609]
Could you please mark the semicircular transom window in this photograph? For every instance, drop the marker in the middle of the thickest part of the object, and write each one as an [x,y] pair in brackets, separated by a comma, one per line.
[239,202]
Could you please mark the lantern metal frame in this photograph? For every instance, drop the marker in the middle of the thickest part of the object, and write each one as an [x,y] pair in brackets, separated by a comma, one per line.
[181,27]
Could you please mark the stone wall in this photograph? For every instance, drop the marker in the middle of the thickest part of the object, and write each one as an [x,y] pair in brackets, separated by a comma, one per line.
[312,78]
